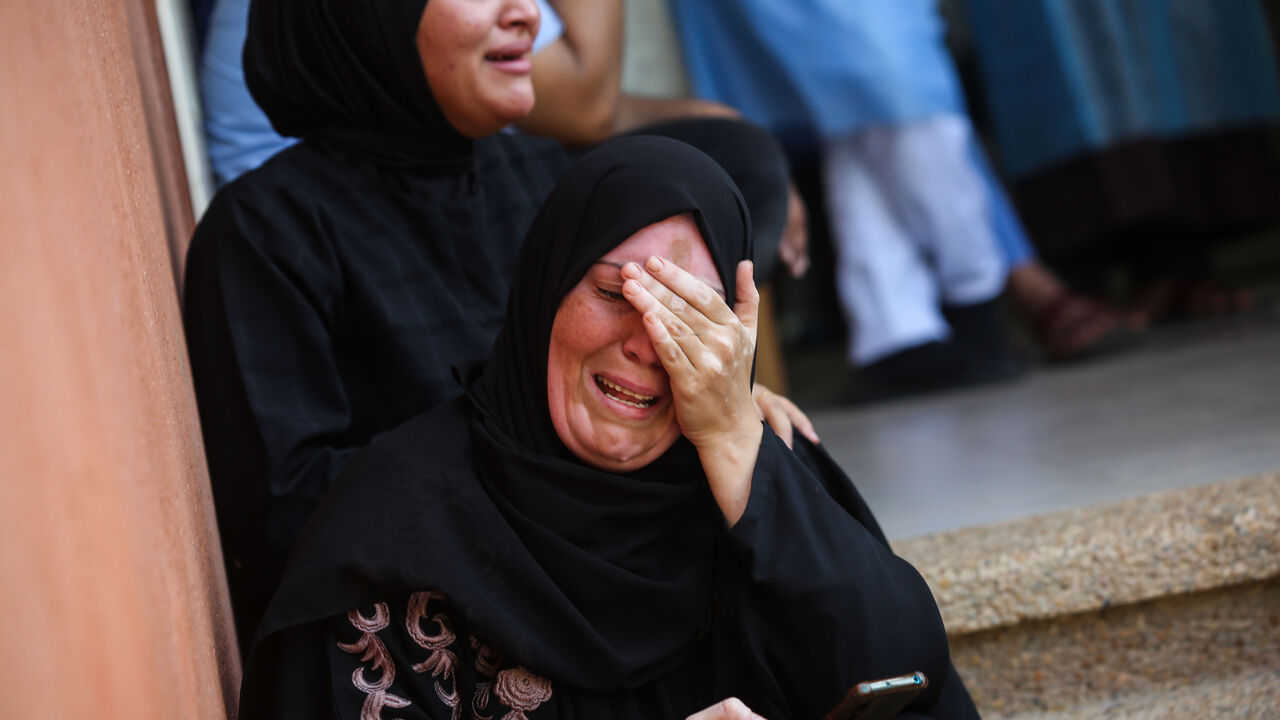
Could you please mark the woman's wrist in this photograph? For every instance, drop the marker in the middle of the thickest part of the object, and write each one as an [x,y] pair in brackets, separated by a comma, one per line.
[729,461]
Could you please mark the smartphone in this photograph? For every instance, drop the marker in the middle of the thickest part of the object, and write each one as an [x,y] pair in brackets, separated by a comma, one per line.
[878,699]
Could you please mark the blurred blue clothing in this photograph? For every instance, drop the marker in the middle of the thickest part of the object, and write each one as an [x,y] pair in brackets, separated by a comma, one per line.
[821,69]
[827,67]
[1064,78]
[1015,244]
[238,135]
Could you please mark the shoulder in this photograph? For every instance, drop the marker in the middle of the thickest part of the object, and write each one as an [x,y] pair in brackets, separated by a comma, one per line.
[386,490]
[275,213]
[291,188]
[433,444]
[396,504]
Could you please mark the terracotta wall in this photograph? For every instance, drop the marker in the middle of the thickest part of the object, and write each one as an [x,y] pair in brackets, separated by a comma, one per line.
[112,601]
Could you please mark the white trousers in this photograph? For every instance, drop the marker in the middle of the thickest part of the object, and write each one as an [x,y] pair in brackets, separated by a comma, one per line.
[911,220]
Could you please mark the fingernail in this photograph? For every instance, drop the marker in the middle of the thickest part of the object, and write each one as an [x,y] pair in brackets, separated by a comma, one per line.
[631,286]
[655,264]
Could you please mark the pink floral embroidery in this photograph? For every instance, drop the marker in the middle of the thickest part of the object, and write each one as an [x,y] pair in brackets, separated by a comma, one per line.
[522,691]
[487,663]
[371,649]
[442,661]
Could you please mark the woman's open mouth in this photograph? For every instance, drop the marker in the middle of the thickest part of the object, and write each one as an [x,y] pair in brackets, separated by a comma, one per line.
[512,58]
[504,56]
[623,395]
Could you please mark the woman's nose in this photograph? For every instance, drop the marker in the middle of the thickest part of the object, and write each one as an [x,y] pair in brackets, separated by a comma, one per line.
[521,13]
[637,346]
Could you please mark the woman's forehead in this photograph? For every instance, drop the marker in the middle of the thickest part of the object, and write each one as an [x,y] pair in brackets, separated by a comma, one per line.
[676,239]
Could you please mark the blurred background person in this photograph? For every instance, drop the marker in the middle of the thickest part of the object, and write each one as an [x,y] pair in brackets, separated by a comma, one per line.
[926,239]
[1134,134]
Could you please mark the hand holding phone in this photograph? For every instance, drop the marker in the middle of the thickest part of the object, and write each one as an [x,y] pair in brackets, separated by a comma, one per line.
[878,699]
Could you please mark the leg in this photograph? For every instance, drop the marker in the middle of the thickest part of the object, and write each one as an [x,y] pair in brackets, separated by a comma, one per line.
[886,288]
[940,192]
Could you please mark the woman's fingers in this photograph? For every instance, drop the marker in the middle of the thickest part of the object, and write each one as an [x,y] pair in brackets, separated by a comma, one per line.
[675,343]
[727,709]
[709,345]
[670,352]
[782,415]
[691,299]
[772,412]
[794,247]
[746,304]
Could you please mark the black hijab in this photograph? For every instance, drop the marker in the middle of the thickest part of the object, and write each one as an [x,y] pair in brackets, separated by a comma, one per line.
[600,580]
[347,74]
[611,542]
[619,188]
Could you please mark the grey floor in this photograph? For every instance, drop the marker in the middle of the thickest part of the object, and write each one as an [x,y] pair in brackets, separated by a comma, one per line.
[1192,404]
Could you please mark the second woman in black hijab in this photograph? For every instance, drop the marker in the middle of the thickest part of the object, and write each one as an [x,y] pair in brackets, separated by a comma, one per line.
[570,539]
[329,292]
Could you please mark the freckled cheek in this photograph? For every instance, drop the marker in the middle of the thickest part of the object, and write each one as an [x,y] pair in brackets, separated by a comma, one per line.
[591,336]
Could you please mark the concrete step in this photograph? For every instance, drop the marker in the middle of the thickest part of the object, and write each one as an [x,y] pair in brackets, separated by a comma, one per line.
[1170,601]
[1239,697]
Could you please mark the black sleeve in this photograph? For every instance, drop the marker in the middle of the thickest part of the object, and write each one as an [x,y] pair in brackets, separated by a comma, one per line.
[261,297]
[826,603]
[261,292]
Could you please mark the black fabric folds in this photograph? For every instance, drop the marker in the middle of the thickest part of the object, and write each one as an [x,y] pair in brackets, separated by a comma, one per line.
[347,74]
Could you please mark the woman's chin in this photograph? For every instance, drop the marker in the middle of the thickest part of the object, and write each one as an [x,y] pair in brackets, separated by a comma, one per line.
[623,457]
[516,110]
[623,462]
[494,119]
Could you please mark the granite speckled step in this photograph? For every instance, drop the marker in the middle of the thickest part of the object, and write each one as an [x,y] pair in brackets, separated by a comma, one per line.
[1236,697]
[1166,605]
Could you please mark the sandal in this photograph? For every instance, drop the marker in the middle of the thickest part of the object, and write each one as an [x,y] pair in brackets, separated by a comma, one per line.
[1076,327]
[1162,301]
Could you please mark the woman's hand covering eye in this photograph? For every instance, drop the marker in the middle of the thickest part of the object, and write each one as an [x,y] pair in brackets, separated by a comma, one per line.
[707,350]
